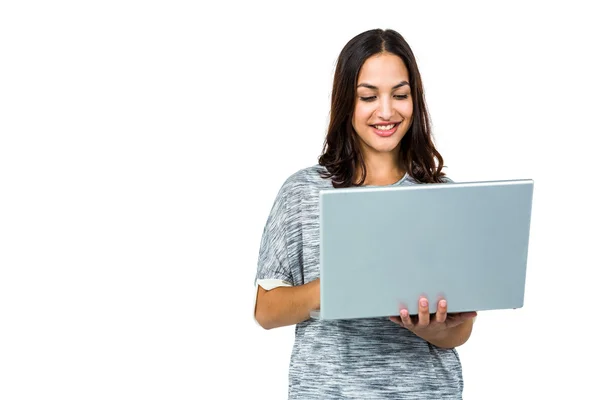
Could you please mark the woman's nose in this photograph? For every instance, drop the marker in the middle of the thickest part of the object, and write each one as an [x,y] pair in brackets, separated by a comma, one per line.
[385,109]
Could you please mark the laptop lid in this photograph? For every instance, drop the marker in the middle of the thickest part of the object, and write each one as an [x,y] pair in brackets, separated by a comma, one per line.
[384,247]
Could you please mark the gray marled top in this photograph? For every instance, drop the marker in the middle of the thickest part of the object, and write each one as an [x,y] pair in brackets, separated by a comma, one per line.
[345,359]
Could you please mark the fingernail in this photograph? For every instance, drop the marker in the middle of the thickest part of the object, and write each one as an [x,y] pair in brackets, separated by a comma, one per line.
[443,303]
[424,302]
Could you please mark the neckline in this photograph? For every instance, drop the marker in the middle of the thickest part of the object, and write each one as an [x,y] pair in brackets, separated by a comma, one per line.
[404,177]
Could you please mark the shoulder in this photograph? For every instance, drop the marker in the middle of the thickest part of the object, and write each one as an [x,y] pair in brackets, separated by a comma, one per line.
[298,195]
[305,179]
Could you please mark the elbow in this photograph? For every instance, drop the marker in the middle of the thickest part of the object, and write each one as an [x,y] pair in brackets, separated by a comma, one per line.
[261,321]
[265,326]
[263,318]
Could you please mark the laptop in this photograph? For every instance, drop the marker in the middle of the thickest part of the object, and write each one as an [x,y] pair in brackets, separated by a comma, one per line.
[384,247]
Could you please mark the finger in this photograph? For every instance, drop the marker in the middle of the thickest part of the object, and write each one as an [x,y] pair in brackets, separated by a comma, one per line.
[423,312]
[397,320]
[442,312]
[405,318]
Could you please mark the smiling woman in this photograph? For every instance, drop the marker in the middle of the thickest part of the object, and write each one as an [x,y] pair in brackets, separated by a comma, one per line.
[378,135]
[377,82]
[381,108]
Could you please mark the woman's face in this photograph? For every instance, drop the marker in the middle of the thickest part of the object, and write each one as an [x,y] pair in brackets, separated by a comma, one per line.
[383,108]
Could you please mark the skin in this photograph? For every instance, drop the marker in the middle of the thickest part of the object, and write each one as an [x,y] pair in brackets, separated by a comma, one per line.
[285,306]
[383,97]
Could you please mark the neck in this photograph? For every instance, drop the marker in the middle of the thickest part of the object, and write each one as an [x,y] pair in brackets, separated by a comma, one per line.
[385,169]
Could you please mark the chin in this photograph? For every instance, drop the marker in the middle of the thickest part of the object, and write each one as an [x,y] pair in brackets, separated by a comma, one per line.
[385,149]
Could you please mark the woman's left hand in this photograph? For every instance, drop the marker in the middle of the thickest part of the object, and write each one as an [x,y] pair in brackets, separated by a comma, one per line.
[431,325]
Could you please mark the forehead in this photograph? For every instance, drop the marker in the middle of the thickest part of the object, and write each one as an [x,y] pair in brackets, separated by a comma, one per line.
[383,70]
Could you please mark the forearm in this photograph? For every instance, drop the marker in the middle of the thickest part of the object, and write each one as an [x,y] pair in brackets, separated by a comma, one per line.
[284,306]
[452,337]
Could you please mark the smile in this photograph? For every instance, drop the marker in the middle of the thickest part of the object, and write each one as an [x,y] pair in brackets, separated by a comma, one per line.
[385,130]
[385,127]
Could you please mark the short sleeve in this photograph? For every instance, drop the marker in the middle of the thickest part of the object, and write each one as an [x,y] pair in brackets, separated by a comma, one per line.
[274,260]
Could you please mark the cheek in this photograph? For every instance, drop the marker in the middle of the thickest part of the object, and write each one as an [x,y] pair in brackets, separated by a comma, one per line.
[362,114]
[406,109]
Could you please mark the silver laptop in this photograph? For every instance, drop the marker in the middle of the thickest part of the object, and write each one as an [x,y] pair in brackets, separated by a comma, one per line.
[384,247]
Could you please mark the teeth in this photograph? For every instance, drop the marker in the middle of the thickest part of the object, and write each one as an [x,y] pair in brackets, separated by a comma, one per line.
[384,127]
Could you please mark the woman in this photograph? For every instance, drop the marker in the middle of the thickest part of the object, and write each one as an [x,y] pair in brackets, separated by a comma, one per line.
[379,134]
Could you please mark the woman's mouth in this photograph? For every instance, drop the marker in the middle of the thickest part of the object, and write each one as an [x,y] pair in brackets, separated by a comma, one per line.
[385,130]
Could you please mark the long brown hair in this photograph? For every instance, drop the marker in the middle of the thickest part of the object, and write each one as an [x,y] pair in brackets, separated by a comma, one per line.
[341,154]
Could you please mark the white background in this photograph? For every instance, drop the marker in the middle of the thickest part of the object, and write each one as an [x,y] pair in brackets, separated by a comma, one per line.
[143,143]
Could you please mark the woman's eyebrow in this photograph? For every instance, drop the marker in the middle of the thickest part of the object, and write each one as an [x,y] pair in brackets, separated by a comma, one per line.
[369,86]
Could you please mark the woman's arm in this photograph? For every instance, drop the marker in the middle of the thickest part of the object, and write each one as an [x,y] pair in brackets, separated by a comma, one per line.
[284,306]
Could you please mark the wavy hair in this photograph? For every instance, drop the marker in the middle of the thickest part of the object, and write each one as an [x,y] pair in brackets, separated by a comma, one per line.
[341,154]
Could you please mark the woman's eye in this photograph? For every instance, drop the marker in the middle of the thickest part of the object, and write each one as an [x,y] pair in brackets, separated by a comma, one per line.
[370,98]
[401,96]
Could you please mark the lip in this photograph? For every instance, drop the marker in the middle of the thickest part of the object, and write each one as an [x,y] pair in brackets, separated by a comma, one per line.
[381,133]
